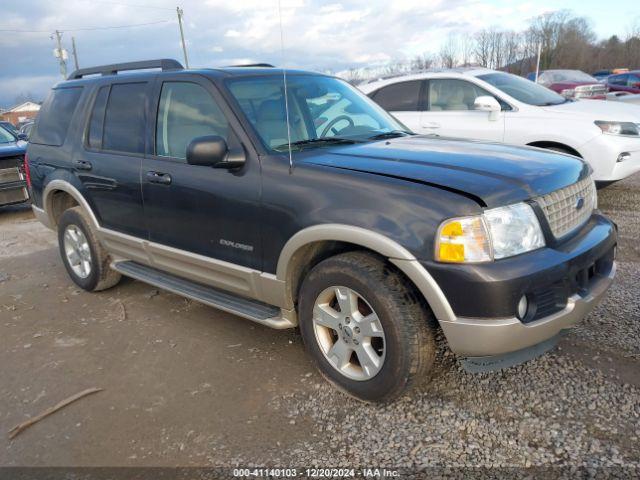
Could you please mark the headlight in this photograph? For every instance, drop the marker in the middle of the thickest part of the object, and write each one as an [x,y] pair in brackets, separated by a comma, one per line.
[498,233]
[619,128]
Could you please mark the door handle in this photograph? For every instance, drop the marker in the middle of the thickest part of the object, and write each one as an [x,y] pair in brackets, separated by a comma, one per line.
[159,177]
[431,125]
[82,165]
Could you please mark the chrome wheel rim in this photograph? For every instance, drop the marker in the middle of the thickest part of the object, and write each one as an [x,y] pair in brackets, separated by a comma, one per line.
[77,251]
[349,333]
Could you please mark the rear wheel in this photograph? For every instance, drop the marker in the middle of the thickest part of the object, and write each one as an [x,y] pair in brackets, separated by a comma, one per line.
[87,263]
[365,327]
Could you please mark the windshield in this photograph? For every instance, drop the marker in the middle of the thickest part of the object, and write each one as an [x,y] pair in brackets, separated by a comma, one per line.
[6,136]
[558,76]
[322,111]
[523,90]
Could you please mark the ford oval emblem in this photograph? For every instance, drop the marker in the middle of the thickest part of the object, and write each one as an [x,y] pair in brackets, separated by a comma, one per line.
[580,203]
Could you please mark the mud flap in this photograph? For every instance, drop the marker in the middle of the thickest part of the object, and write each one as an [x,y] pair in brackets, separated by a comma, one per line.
[506,360]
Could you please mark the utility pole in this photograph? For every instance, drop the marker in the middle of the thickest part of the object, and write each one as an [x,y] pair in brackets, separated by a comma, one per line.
[538,61]
[75,52]
[184,46]
[61,54]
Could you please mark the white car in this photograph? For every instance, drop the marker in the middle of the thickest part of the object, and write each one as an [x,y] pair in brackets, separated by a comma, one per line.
[484,104]
[625,97]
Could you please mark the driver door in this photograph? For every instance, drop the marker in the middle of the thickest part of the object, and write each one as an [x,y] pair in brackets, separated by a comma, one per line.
[213,212]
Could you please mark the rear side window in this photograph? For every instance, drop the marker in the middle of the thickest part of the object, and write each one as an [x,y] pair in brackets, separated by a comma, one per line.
[55,116]
[399,97]
[94,138]
[618,80]
[124,120]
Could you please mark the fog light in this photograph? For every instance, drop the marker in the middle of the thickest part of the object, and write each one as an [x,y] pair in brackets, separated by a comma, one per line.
[624,156]
[523,306]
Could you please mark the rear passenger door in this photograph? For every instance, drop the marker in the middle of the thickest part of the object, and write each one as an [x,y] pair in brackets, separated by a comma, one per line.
[403,100]
[208,211]
[109,164]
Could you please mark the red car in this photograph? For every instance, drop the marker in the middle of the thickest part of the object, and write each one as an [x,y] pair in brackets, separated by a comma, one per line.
[625,82]
[572,84]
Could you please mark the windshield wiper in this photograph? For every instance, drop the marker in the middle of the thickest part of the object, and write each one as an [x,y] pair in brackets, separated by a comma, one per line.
[391,134]
[317,141]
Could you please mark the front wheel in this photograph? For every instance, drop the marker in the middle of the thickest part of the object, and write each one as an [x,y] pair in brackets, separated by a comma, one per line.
[365,327]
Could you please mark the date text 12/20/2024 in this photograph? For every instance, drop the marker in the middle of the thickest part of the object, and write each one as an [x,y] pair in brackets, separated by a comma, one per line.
[315,472]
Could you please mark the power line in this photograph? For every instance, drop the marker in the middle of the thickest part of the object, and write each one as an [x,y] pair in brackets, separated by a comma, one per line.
[79,29]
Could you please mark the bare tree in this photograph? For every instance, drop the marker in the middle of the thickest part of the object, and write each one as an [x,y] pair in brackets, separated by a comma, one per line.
[449,52]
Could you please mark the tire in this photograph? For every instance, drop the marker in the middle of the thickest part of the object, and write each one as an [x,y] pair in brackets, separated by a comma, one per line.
[75,226]
[566,151]
[405,347]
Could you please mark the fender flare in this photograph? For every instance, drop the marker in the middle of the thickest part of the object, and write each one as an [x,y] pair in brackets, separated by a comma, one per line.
[388,248]
[63,185]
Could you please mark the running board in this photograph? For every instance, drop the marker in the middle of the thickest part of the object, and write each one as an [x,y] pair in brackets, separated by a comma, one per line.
[243,307]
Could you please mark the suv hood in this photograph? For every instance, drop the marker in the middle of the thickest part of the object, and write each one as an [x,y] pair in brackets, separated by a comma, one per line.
[493,174]
[599,110]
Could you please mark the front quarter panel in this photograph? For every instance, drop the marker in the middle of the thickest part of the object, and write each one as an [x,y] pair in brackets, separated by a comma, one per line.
[407,213]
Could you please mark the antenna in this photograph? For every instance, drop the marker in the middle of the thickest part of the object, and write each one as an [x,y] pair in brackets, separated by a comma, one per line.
[286,96]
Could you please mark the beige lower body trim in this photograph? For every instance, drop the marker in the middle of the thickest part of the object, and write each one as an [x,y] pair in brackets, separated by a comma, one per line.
[198,268]
[41,216]
[470,337]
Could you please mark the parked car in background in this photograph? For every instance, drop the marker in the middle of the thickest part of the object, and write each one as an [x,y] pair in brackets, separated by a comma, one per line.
[625,97]
[483,104]
[602,75]
[13,178]
[571,83]
[214,185]
[9,126]
[625,82]
[26,128]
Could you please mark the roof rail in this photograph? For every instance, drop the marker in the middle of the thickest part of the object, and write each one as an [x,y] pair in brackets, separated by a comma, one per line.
[163,63]
[265,65]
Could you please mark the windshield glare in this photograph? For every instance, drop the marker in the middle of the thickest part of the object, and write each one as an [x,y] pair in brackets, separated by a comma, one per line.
[6,136]
[523,90]
[319,108]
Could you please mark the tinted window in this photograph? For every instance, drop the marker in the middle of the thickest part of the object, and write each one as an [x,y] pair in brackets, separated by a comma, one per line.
[124,120]
[94,138]
[55,116]
[452,94]
[399,97]
[186,111]
[633,80]
[618,80]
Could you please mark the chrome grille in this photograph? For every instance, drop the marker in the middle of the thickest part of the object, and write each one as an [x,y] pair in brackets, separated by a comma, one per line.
[562,206]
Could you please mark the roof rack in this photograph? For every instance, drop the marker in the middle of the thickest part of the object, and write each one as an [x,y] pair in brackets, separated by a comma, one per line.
[163,63]
[248,65]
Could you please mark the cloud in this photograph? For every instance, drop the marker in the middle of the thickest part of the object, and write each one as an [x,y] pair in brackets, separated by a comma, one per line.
[334,35]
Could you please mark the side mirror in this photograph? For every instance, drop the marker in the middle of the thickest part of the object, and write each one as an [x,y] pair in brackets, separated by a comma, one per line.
[23,136]
[212,151]
[485,103]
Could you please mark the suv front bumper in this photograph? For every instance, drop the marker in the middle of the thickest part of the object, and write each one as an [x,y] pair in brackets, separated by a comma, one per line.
[563,283]
[470,337]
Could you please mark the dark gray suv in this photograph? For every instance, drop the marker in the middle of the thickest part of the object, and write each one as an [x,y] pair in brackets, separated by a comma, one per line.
[318,211]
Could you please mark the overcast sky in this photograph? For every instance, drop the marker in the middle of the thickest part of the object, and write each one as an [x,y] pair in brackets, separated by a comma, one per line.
[333,35]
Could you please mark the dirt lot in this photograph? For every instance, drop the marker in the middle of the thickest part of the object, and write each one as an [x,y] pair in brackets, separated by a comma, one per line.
[186,385]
